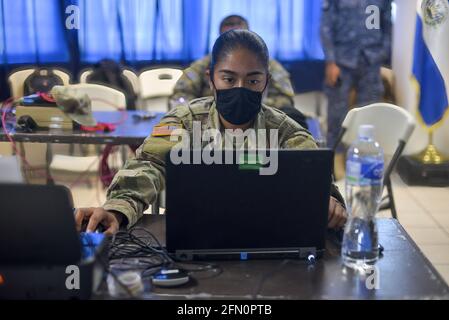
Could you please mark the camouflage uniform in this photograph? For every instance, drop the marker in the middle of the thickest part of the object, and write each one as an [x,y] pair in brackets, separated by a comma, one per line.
[358,51]
[137,185]
[195,84]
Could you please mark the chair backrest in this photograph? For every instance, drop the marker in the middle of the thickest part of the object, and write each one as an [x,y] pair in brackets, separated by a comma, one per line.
[134,79]
[84,74]
[103,98]
[158,82]
[63,75]
[392,125]
[130,75]
[17,79]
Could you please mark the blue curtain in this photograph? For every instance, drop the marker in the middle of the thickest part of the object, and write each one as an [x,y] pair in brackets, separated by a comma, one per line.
[144,32]
[289,27]
[33,31]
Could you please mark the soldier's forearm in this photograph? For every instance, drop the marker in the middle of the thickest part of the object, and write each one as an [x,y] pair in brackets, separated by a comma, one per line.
[124,211]
[134,188]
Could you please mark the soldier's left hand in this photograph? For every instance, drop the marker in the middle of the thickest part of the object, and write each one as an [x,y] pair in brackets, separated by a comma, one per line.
[337,214]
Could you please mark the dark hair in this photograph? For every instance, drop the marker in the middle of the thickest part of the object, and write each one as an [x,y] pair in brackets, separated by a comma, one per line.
[233,20]
[239,39]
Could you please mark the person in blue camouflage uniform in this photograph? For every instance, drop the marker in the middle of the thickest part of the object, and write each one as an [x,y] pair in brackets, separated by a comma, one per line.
[354,55]
[194,84]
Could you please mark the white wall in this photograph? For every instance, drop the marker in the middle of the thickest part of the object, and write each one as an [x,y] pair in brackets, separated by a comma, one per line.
[403,42]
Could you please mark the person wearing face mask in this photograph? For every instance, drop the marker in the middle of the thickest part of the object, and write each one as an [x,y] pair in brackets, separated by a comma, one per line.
[238,76]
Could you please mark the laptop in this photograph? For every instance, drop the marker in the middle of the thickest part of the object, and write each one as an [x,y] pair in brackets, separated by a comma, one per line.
[232,211]
[40,245]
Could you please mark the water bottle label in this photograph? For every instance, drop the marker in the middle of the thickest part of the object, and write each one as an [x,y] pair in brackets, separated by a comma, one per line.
[364,174]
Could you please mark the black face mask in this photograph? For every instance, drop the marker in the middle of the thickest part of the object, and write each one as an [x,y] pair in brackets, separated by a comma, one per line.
[238,105]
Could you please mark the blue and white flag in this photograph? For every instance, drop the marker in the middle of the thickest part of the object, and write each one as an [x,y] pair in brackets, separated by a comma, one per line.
[431,61]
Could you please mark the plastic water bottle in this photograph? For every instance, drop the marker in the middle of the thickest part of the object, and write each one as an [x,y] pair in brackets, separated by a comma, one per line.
[364,180]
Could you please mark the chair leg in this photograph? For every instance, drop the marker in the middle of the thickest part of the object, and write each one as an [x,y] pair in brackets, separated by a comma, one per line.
[23,168]
[391,196]
[49,158]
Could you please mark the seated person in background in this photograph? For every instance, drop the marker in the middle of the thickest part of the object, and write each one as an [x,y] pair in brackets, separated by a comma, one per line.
[239,75]
[194,83]
[110,73]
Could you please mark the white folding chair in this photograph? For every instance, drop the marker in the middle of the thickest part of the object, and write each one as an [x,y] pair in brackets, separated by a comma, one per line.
[129,74]
[16,82]
[17,79]
[134,79]
[394,126]
[157,85]
[84,74]
[135,82]
[103,99]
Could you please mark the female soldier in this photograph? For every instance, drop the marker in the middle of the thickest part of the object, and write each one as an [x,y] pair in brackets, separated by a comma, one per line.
[238,77]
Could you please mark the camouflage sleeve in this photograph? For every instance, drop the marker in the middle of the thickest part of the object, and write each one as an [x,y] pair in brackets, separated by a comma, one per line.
[190,85]
[139,183]
[327,29]
[280,90]
[300,140]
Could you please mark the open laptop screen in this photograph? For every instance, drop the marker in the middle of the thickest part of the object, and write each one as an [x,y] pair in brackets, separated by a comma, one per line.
[234,207]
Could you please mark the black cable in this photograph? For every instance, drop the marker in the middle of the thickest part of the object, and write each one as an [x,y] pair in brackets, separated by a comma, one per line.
[87,241]
[144,252]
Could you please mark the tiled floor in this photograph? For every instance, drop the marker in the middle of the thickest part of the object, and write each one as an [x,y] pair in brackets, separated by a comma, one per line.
[423,211]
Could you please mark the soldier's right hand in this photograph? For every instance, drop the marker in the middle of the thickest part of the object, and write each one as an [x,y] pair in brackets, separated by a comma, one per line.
[96,217]
[332,74]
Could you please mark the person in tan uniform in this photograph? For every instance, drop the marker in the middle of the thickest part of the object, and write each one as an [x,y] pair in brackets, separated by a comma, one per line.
[195,84]
[238,77]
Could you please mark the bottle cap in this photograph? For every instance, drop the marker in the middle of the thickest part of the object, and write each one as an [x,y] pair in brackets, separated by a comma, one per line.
[366,131]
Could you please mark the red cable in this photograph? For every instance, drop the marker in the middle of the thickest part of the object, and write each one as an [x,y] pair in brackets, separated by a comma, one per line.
[106,174]
[46,96]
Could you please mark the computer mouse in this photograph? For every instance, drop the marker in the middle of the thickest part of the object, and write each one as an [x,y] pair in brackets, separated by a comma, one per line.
[89,243]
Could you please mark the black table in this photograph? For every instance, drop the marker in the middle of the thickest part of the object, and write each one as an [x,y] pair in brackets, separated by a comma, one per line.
[129,132]
[404,273]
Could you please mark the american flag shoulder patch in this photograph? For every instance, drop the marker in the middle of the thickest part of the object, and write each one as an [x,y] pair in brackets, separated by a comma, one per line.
[165,129]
